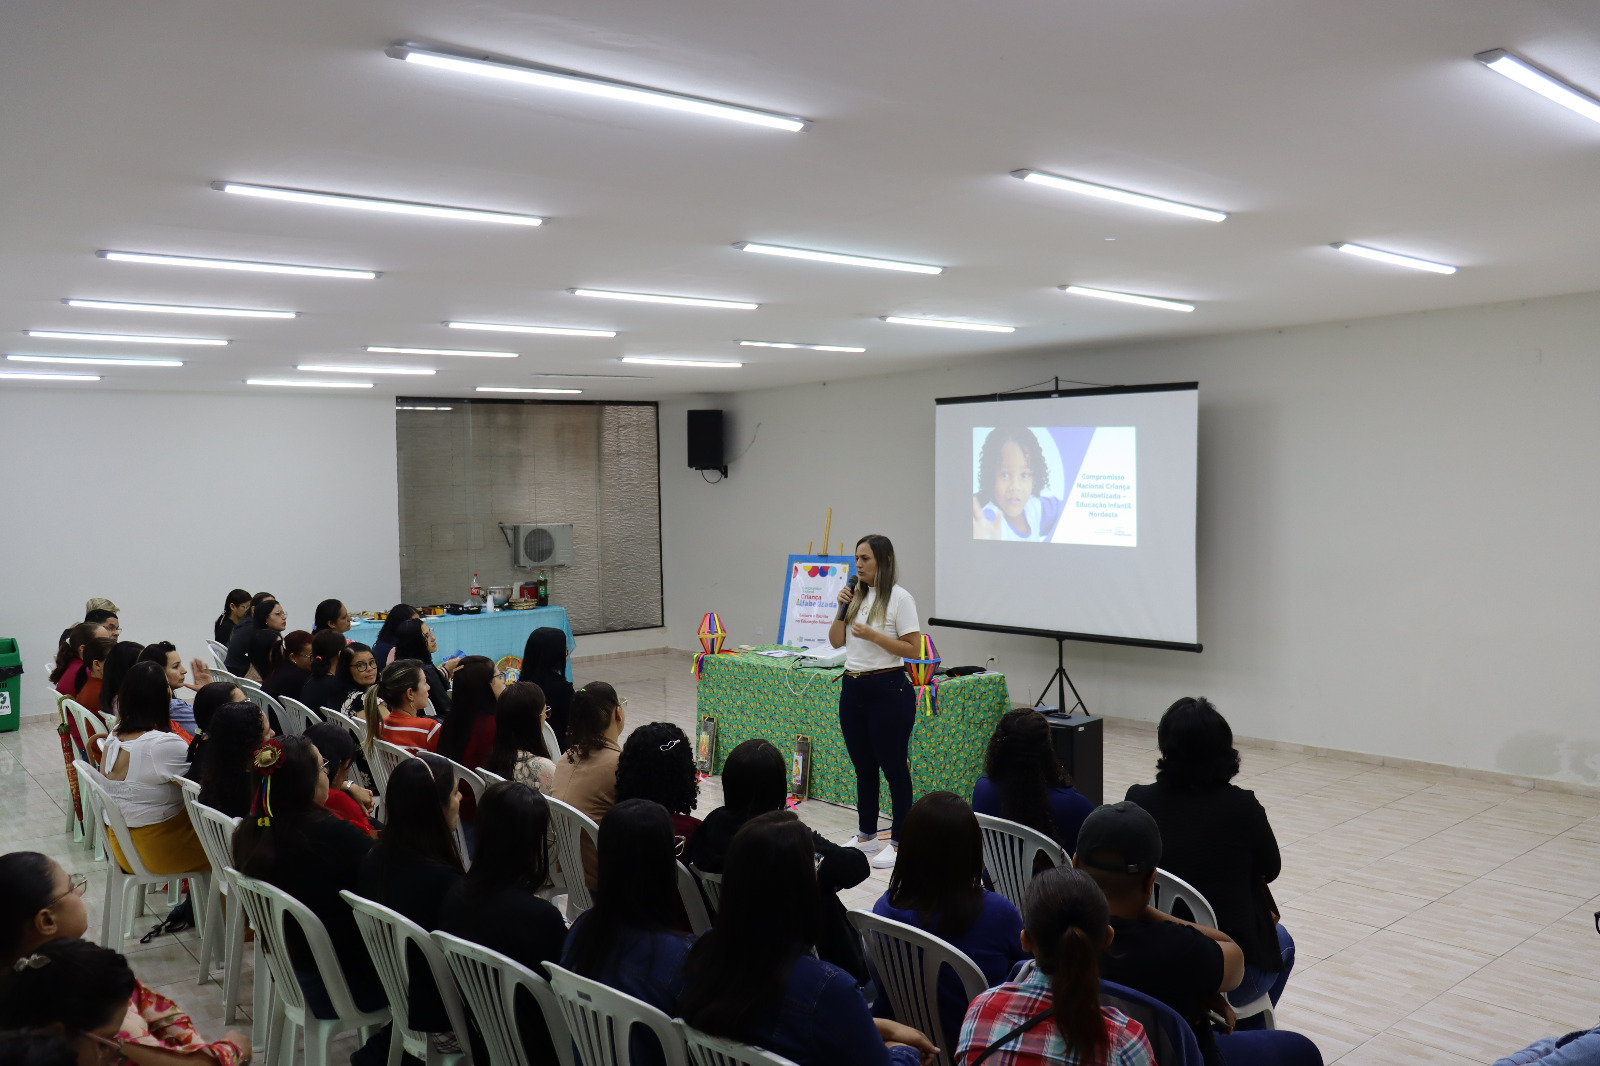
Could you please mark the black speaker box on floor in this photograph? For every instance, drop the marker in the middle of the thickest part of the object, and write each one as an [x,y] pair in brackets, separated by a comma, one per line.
[705,441]
[1079,741]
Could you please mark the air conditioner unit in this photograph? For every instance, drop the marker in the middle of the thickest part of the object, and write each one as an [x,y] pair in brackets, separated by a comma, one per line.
[540,544]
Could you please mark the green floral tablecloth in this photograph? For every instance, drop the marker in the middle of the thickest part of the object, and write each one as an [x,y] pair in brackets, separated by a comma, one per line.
[758,696]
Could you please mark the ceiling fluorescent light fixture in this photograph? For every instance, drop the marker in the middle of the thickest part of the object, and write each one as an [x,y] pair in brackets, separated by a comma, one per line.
[837,257]
[652,298]
[547,392]
[1542,82]
[439,351]
[809,347]
[292,383]
[1121,196]
[407,407]
[553,331]
[235,264]
[92,360]
[942,323]
[1127,298]
[1394,258]
[124,338]
[374,203]
[672,360]
[45,375]
[175,309]
[326,369]
[588,85]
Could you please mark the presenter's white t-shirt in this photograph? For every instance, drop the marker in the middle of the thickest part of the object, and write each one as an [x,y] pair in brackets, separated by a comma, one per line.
[859,652]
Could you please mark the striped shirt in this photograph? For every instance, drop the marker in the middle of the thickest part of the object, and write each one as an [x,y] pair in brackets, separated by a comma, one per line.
[409,732]
[998,1011]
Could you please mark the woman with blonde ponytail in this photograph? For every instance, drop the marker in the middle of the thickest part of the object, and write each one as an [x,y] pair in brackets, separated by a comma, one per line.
[393,709]
[1052,1013]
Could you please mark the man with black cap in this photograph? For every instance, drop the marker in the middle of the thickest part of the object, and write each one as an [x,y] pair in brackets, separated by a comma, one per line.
[1186,966]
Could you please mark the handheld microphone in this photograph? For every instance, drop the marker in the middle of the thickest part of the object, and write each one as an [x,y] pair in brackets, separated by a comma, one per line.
[845,607]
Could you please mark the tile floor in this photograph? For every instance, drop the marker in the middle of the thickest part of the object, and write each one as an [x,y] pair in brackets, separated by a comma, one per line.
[1439,920]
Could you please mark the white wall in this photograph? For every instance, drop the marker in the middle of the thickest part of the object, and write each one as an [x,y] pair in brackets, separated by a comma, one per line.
[163,503]
[1399,528]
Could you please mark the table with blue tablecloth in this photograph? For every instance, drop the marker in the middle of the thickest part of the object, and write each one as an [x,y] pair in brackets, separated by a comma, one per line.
[496,634]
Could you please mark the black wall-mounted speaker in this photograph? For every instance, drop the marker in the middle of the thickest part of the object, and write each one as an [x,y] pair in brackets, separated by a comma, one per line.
[705,441]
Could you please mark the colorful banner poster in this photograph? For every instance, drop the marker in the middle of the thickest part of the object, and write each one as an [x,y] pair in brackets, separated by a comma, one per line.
[811,598]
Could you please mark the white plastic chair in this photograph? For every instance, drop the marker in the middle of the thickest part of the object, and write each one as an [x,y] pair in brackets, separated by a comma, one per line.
[489,777]
[694,904]
[550,741]
[711,884]
[907,962]
[87,725]
[219,655]
[268,908]
[224,931]
[489,981]
[707,1050]
[476,786]
[1169,889]
[571,826]
[382,761]
[600,1019]
[122,888]
[340,718]
[1009,852]
[296,716]
[387,934]
[72,828]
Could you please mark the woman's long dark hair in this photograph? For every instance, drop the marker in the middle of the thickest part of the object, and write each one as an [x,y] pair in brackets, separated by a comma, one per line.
[411,643]
[67,650]
[145,701]
[1022,764]
[326,614]
[75,984]
[883,586]
[326,646]
[209,699]
[637,886]
[589,718]
[235,598]
[471,695]
[755,779]
[510,846]
[939,871]
[657,763]
[266,651]
[1066,917]
[235,734]
[121,659]
[768,917]
[98,650]
[27,885]
[263,610]
[1196,744]
[545,652]
[282,805]
[516,728]
[400,612]
[415,830]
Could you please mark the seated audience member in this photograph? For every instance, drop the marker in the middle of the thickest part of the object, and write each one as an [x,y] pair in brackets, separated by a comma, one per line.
[237,731]
[165,653]
[393,708]
[1580,1048]
[138,758]
[626,940]
[544,662]
[1218,839]
[586,773]
[755,780]
[105,615]
[752,976]
[415,640]
[383,647]
[206,703]
[498,905]
[937,886]
[346,799]
[41,904]
[36,1047]
[358,670]
[415,864]
[91,678]
[1052,1013]
[519,751]
[292,673]
[237,659]
[234,610]
[69,656]
[1188,967]
[330,614]
[325,688]
[312,855]
[117,664]
[1023,781]
[657,763]
[467,732]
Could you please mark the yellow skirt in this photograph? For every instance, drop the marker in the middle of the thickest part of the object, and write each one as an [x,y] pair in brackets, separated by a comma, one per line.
[169,847]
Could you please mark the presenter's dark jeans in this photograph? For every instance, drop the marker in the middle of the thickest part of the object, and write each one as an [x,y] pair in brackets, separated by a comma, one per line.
[876,715]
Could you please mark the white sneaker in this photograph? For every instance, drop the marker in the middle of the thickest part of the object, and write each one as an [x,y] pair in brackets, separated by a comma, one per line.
[868,845]
[884,859]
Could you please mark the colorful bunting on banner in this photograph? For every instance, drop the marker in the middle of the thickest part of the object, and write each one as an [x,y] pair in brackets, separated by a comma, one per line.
[922,670]
[712,634]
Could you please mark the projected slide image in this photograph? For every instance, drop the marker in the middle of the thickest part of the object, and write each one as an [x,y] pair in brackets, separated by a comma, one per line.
[1057,484]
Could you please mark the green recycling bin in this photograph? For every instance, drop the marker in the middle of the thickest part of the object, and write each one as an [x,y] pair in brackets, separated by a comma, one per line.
[10,685]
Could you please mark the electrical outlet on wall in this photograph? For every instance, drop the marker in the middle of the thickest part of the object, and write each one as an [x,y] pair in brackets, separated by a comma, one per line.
[761,631]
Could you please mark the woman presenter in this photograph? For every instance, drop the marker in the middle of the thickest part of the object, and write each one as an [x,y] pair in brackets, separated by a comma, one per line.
[877,627]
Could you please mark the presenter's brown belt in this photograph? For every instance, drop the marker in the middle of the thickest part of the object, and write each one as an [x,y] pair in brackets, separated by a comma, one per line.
[870,673]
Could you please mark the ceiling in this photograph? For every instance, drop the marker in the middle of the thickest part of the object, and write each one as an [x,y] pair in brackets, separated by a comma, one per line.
[1308,122]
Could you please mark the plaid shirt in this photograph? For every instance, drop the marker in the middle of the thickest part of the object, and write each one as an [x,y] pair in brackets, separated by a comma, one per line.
[998,1011]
